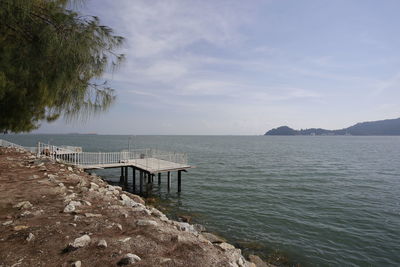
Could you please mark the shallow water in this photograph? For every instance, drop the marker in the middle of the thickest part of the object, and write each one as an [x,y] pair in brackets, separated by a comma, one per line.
[318,200]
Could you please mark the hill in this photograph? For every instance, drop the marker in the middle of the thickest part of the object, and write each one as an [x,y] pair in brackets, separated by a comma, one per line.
[382,127]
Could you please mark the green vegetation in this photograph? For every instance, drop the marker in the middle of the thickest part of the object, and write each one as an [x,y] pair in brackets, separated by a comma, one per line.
[51,62]
[383,127]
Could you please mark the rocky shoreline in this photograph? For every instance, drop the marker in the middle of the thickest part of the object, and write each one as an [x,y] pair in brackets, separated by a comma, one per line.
[56,215]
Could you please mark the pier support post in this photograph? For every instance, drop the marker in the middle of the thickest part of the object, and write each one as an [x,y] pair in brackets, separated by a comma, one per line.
[121,178]
[179,181]
[141,182]
[159,178]
[134,178]
[149,178]
[126,176]
[169,180]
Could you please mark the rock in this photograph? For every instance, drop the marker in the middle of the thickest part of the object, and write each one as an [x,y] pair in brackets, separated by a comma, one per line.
[87,203]
[137,199]
[258,261]
[23,205]
[75,203]
[102,244]
[82,182]
[129,259]
[119,226]
[20,227]
[127,201]
[61,185]
[182,226]
[226,246]
[26,213]
[146,223]
[94,186]
[179,238]
[69,208]
[213,238]
[124,240]
[7,223]
[30,237]
[156,213]
[70,169]
[70,197]
[199,228]
[76,264]
[80,242]
[185,218]
[164,260]
[93,215]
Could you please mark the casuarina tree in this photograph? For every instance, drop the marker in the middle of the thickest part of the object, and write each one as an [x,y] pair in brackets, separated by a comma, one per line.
[52,59]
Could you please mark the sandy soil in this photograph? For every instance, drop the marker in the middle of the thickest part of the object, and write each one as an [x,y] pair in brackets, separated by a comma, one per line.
[46,206]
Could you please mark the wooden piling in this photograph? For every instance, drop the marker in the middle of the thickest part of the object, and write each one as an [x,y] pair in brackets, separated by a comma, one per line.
[133,178]
[141,182]
[169,180]
[121,178]
[179,181]
[159,178]
[126,177]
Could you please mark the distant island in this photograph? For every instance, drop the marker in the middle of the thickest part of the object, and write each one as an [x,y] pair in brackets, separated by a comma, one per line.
[382,127]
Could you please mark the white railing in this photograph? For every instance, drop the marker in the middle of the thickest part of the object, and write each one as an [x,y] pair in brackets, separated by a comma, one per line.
[74,155]
[5,143]
[82,159]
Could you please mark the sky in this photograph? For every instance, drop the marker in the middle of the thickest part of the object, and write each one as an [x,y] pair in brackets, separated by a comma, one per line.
[226,67]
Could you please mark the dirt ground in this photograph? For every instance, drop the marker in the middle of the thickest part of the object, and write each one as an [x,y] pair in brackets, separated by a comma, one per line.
[38,225]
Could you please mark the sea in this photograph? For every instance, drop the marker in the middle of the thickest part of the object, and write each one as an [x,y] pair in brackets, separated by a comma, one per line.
[293,200]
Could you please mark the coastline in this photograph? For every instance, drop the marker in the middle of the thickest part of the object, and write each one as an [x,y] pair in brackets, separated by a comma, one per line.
[53,214]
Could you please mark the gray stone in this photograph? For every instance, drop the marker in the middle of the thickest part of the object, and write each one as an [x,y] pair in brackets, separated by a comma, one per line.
[102,244]
[93,215]
[30,237]
[75,203]
[69,208]
[199,228]
[213,238]
[124,240]
[157,213]
[94,186]
[87,203]
[182,226]
[129,259]
[146,223]
[70,169]
[7,223]
[77,264]
[127,201]
[81,242]
[226,246]
[258,261]
[23,205]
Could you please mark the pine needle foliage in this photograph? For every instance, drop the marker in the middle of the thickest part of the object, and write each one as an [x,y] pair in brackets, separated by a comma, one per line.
[51,62]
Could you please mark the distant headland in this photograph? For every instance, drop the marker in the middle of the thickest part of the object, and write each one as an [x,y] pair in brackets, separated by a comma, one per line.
[382,127]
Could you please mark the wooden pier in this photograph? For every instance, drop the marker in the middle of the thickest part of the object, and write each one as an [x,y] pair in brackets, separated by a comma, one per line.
[145,164]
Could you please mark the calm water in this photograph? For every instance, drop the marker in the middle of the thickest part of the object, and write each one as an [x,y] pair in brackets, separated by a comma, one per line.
[318,200]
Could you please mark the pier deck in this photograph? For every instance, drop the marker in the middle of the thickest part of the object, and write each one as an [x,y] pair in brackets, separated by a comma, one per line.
[151,165]
[148,162]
